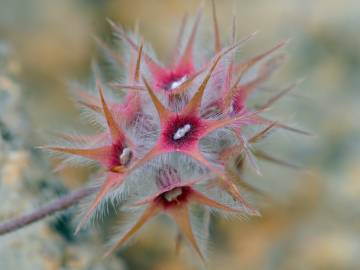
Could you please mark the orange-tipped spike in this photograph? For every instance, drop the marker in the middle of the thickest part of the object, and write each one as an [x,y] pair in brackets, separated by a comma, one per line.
[195,102]
[155,68]
[262,134]
[231,92]
[179,37]
[264,156]
[121,86]
[182,219]
[279,95]
[293,129]
[89,105]
[265,72]
[216,124]
[229,76]
[111,181]
[247,150]
[68,137]
[232,189]
[115,131]
[98,154]
[202,199]
[261,120]
[186,57]
[149,213]
[80,138]
[88,100]
[243,67]
[138,63]
[250,188]
[243,184]
[160,108]
[217,43]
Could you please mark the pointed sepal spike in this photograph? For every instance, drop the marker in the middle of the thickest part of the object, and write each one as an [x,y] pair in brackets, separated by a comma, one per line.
[217,43]
[186,58]
[246,186]
[234,192]
[122,86]
[92,106]
[149,213]
[154,67]
[112,180]
[84,98]
[242,119]
[262,134]
[267,157]
[261,120]
[160,108]
[179,38]
[138,63]
[182,219]
[74,138]
[249,155]
[194,104]
[115,131]
[278,96]
[296,130]
[204,200]
[243,67]
[99,154]
[266,70]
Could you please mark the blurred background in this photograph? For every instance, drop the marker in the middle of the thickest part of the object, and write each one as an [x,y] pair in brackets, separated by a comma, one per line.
[312,219]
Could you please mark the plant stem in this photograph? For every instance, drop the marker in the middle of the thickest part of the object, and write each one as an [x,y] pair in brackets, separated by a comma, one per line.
[44,211]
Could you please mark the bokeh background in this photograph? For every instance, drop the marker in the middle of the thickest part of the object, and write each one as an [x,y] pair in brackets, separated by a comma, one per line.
[311,219]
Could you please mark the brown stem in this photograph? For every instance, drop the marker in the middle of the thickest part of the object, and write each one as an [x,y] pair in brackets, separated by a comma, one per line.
[44,211]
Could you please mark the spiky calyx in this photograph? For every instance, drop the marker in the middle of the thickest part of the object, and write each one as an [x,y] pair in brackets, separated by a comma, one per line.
[153,139]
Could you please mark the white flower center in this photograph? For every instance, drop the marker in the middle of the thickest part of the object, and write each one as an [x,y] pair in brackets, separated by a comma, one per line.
[125,156]
[172,194]
[181,132]
[177,83]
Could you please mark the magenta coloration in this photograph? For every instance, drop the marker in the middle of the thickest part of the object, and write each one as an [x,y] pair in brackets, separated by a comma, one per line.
[174,197]
[172,140]
[181,132]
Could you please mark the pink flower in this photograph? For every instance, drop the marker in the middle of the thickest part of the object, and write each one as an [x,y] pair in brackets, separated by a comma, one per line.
[174,198]
[189,111]
[115,155]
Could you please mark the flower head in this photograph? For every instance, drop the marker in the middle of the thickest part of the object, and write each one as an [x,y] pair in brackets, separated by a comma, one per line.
[188,111]
[175,198]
